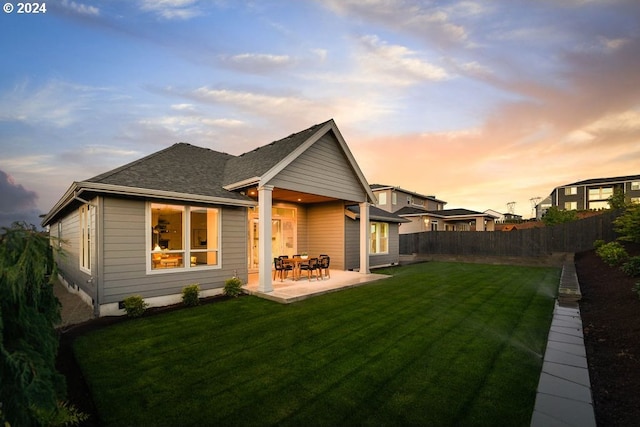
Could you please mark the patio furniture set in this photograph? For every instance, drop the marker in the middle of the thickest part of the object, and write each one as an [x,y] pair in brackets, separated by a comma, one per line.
[298,264]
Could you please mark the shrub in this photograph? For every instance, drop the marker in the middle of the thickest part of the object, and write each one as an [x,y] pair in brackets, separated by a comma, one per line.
[233,287]
[627,225]
[636,288]
[190,295]
[612,253]
[632,266]
[134,305]
[598,243]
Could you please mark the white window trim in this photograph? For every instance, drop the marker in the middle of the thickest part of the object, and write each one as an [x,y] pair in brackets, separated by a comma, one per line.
[186,227]
[84,239]
[378,224]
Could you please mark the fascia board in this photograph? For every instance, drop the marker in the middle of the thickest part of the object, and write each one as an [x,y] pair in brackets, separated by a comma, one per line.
[162,194]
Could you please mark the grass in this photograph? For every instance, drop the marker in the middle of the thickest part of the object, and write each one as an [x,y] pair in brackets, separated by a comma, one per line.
[436,344]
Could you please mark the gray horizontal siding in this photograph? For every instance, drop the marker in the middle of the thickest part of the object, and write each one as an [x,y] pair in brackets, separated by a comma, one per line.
[125,252]
[325,230]
[68,256]
[322,169]
[352,233]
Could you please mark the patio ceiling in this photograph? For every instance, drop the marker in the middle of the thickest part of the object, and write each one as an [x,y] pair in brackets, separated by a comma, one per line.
[282,195]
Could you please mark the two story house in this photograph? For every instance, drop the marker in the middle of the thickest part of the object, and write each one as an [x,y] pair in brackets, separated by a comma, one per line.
[427,213]
[590,194]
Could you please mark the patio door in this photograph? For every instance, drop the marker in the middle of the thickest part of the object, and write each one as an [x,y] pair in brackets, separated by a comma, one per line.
[283,234]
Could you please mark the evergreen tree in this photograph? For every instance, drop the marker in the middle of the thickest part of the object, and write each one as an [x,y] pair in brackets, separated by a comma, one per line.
[30,386]
[627,225]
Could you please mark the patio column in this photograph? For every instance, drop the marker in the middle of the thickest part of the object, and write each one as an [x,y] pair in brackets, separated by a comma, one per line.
[364,238]
[265,257]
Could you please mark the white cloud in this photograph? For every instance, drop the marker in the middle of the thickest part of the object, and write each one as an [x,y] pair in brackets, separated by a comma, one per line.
[80,8]
[171,9]
[256,62]
[398,64]
[55,104]
[425,20]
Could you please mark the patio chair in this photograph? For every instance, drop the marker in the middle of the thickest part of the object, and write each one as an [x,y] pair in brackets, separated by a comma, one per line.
[311,266]
[280,268]
[325,261]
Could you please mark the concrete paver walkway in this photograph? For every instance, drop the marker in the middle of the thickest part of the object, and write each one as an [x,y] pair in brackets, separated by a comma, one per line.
[564,389]
[74,310]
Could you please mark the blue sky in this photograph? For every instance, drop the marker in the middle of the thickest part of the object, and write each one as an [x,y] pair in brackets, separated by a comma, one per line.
[478,103]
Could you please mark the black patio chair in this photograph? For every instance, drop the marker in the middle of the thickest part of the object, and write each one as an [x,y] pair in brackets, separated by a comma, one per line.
[281,268]
[325,261]
[311,266]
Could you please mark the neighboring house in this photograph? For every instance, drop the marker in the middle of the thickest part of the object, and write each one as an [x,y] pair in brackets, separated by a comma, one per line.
[512,217]
[590,194]
[427,213]
[497,215]
[187,215]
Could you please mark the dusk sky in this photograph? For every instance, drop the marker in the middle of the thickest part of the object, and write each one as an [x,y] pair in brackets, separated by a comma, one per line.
[477,103]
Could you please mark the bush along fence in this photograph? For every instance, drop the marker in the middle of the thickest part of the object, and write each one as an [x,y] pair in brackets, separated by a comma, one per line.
[575,236]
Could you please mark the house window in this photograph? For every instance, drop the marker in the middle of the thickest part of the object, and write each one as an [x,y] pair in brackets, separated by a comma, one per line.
[379,238]
[635,185]
[394,198]
[635,200]
[204,237]
[85,238]
[183,237]
[602,193]
[382,198]
[60,234]
[434,225]
[570,206]
[570,191]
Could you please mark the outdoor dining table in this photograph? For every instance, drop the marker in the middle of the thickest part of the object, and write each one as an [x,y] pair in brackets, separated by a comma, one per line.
[295,262]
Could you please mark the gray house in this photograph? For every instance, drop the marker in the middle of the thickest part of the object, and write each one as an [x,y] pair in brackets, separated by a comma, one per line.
[187,215]
[590,194]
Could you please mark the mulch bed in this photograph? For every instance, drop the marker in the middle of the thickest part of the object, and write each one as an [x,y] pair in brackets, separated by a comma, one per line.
[611,322]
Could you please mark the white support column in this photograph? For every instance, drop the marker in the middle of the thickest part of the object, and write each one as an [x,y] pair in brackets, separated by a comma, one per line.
[265,257]
[479,224]
[364,238]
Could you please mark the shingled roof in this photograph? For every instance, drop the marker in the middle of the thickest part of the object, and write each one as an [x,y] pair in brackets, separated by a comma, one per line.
[257,162]
[180,168]
[613,180]
[189,173]
[443,213]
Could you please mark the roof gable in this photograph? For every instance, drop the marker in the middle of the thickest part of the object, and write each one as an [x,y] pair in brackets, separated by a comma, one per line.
[257,162]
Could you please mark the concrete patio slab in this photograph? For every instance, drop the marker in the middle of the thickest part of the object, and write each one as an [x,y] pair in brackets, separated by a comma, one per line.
[288,291]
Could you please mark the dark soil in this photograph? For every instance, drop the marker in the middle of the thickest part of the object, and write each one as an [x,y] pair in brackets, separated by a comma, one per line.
[611,320]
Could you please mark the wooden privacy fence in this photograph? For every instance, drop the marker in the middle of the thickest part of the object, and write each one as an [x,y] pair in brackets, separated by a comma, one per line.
[575,236]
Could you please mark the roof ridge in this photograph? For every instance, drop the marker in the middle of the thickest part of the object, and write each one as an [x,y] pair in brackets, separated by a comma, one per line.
[313,127]
[112,172]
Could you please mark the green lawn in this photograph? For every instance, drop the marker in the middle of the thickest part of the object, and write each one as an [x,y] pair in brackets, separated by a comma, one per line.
[437,344]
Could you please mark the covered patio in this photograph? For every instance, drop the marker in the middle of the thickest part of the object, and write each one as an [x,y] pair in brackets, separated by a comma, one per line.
[289,291]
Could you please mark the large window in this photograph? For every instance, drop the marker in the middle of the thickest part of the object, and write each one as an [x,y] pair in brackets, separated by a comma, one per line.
[570,206]
[85,238]
[570,191]
[602,193]
[382,198]
[183,237]
[379,238]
